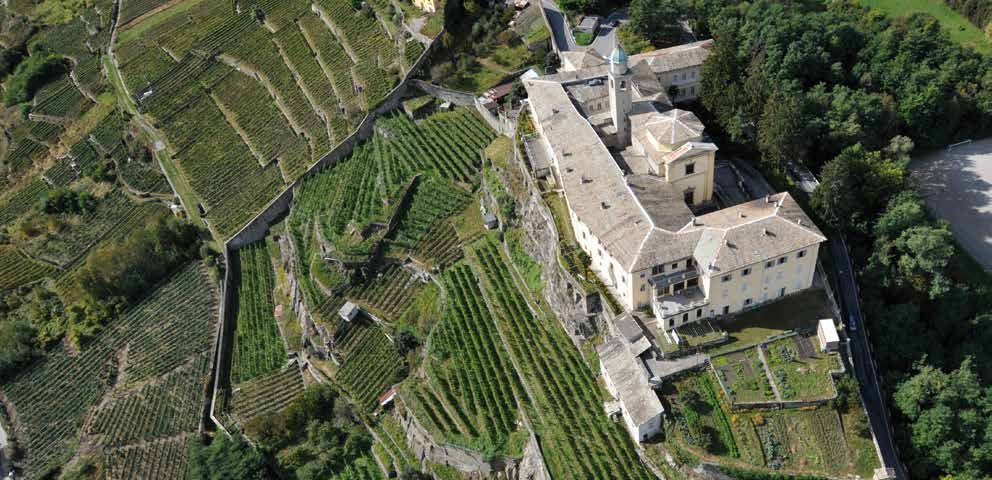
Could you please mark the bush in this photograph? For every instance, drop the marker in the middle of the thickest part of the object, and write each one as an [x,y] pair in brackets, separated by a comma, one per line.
[17,345]
[64,200]
[30,75]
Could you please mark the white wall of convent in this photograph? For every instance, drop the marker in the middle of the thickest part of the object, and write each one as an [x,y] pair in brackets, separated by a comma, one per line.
[700,181]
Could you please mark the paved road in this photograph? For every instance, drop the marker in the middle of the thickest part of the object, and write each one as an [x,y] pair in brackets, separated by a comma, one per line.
[864,367]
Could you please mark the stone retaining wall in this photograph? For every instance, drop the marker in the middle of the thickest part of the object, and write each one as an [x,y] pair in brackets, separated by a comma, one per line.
[456,97]
[529,467]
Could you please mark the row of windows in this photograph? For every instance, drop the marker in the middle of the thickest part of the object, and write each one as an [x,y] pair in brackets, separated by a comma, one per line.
[769,264]
[685,75]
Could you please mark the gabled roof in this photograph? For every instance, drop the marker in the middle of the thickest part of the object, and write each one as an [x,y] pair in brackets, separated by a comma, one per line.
[630,377]
[689,150]
[675,58]
[752,232]
[580,59]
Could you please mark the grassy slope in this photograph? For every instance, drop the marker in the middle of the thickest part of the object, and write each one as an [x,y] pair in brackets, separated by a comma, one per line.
[961,30]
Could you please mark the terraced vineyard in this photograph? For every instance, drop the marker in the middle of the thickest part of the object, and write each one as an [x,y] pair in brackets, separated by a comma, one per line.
[439,247]
[578,440]
[298,93]
[52,397]
[267,394]
[158,410]
[391,447]
[350,196]
[258,348]
[469,372]
[16,269]
[369,363]
[163,459]
[20,201]
[390,293]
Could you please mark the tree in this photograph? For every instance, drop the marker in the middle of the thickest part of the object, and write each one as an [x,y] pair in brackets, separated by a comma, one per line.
[225,458]
[950,419]
[657,20]
[855,186]
[783,130]
[917,258]
[17,345]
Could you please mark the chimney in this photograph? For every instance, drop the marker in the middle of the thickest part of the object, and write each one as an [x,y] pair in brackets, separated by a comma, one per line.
[768,199]
[586,179]
[693,223]
[764,231]
[604,205]
[799,221]
[740,214]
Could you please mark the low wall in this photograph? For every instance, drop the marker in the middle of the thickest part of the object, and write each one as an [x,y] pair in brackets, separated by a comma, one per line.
[529,467]
[456,97]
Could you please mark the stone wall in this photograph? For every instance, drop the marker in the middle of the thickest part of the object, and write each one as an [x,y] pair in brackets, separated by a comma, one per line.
[456,97]
[426,449]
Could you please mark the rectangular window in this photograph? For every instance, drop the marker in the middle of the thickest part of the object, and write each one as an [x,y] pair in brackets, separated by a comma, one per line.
[685,318]
[655,270]
[781,292]
[675,266]
[642,274]
[801,254]
[725,278]
[690,168]
[642,288]
[746,272]
[782,260]
[769,264]
[747,301]
[699,312]
[671,322]
[726,309]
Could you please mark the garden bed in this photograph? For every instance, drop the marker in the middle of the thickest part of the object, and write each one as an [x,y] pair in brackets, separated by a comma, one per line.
[743,374]
[800,371]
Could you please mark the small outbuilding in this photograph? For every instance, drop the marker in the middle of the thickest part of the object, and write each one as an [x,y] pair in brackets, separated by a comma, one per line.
[490,221]
[589,24]
[826,331]
[349,311]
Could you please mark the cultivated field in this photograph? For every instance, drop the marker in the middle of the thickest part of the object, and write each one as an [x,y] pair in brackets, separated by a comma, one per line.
[147,372]
[248,101]
[957,186]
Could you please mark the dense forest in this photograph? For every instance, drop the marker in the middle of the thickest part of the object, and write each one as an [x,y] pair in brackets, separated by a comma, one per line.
[850,93]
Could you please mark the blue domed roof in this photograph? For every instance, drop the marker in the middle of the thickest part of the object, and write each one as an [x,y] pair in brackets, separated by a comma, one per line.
[618,56]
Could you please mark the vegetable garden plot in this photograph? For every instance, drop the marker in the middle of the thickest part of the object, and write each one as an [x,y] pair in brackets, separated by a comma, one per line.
[578,440]
[258,347]
[800,377]
[744,375]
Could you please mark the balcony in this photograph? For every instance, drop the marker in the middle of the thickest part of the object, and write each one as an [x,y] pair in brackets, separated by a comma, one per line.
[662,281]
[684,301]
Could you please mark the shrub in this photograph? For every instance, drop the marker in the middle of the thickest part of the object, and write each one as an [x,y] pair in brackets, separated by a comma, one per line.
[583,38]
[64,200]
[30,75]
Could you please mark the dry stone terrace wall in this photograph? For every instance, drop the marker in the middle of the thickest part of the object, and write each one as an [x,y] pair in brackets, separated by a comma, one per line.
[425,448]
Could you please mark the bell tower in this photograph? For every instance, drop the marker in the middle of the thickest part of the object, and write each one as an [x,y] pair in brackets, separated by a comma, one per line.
[620,95]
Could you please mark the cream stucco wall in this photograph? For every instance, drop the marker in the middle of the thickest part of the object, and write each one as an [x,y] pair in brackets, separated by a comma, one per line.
[762,284]
[687,80]
[701,181]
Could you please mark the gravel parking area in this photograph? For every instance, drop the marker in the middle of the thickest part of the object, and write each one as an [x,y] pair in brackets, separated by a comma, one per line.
[958,188]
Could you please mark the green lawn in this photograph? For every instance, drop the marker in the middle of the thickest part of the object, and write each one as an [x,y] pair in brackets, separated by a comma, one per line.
[798,311]
[961,30]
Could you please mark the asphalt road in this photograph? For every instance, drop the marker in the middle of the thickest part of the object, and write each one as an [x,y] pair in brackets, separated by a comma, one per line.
[861,352]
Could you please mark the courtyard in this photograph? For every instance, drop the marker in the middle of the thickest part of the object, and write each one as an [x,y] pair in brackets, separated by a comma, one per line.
[957,187]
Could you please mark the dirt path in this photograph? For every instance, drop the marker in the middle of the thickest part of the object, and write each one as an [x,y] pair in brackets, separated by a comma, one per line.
[151,13]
